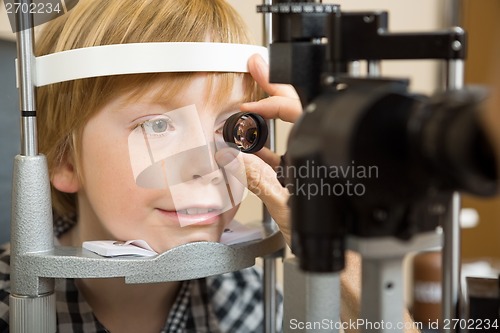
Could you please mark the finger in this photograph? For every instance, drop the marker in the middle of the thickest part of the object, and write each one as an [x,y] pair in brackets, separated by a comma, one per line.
[270,157]
[262,181]
[232,162]
[275,107]
[233,167]
[259,70]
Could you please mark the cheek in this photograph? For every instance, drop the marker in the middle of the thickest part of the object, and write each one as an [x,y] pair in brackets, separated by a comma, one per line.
[107,177]
[105,158]
[228,216]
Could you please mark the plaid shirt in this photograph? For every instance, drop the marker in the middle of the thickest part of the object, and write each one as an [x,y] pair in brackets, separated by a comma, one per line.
[231,302]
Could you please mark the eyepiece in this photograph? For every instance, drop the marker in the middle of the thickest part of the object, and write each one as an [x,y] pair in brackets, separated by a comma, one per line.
[248,131]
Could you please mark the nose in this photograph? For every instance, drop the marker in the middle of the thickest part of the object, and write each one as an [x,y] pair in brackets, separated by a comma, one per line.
[200,165]
[195,157]
[214,177]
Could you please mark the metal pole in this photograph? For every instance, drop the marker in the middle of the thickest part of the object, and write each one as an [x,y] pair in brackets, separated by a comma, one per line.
[374,68]
[382,287]
[267,33]
[455,77]
[451,227]
[382,297]
[451,262]
[31,225]
[311,298]
[452,13]
[270,302]
[25,73]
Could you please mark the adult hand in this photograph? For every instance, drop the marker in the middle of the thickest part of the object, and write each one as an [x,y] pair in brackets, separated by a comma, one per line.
[283,103]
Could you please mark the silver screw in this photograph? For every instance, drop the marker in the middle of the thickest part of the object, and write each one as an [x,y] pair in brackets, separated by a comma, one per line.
[368,18]
[456,46]
[329,80]
[311,108]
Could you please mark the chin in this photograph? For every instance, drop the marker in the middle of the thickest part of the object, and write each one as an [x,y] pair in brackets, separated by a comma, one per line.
[202,237]
[193,237]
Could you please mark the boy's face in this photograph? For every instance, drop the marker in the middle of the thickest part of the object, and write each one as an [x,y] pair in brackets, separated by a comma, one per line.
[149,172]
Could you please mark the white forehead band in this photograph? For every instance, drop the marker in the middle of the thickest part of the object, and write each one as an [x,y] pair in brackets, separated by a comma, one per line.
[144,58]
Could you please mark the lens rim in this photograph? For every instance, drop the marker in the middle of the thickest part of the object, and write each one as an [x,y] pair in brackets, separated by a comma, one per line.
[262,130]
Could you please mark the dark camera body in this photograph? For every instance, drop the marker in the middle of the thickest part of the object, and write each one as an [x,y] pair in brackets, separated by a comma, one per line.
[401,154]
[420,149]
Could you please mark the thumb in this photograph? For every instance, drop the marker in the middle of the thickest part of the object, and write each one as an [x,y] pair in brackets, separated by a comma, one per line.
[230,160]
[262,181]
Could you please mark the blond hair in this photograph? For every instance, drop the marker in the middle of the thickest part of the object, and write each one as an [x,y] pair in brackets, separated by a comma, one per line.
[65,108]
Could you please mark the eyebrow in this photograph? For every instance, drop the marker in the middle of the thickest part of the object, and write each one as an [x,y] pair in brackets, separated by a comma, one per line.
[174,104]
[137,110]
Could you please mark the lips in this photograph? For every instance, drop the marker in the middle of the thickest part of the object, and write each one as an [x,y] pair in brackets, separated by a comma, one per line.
[194,215]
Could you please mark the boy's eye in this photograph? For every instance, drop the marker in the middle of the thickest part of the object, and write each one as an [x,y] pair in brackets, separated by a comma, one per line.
[157,126]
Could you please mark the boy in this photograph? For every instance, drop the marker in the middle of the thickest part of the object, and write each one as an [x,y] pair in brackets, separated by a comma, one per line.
[88,131]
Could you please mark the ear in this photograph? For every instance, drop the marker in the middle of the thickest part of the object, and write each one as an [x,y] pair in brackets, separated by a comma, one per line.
[65,178]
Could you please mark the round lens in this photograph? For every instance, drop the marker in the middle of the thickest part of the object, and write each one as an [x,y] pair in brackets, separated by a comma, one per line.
[248,131]
[245,132]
